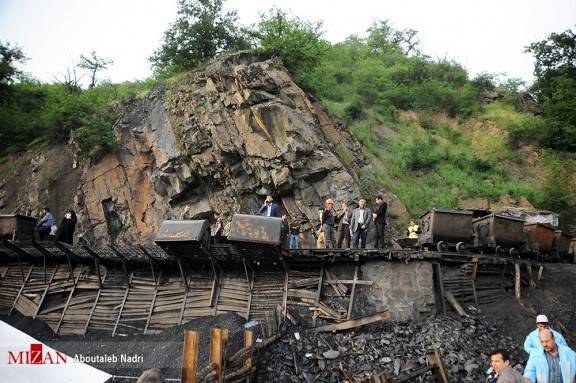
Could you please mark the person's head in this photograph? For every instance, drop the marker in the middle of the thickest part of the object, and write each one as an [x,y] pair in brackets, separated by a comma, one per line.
[499,359]
[45,210]
[216,215]
[329,203]
[362,203]
[541,322]
[412,223]
[343,205]
[547,340]
[379,199]
[284,217]
[269,199]
[70,214]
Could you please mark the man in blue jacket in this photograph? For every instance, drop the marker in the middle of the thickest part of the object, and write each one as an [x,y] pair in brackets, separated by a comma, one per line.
[43,227]
[553,363]
[532,341]
[269,209]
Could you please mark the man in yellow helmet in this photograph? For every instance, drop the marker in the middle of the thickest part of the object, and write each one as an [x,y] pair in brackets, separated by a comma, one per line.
[413,230]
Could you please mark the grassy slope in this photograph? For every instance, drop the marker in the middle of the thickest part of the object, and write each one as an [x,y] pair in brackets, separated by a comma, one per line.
[429,160]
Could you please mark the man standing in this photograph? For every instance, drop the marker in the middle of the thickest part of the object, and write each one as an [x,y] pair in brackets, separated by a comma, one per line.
[42,229]
[380,221]
[532,341]
[360,224]
[343,218]
[328,224]
[269,208]
[552,363]
[218,227]
[500,362]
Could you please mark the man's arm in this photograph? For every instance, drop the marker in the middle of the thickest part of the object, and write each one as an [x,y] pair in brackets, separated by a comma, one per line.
[262,208]
[528,346]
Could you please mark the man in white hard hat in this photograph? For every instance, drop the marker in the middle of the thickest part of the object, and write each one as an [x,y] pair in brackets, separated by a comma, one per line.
[532,341]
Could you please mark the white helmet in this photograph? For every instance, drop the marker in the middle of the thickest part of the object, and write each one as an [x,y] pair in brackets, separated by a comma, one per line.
[541,319]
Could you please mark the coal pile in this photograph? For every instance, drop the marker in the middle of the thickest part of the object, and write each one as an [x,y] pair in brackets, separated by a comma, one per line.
[387,348]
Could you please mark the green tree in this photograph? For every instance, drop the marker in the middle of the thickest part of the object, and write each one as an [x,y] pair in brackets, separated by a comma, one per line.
[202,30]
[297,42]
[93,64]
[9,56]
[555,88]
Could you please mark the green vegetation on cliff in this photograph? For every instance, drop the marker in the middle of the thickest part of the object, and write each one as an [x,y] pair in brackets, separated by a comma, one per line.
[428,137]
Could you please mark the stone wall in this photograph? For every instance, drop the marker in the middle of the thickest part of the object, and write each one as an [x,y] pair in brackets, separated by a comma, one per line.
[407,290]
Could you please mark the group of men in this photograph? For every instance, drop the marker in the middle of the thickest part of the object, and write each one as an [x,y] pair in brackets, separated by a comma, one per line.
[341,228]
[550,359]
[349,227]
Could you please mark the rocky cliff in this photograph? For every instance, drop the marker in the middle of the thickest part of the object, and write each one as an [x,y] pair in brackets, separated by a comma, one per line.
[217,139]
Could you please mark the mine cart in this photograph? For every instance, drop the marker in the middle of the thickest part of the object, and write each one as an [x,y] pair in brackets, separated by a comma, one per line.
[499,233]
[256,229]
[16,227]
[446,228]
[184,237]
[540,238]
[562,245]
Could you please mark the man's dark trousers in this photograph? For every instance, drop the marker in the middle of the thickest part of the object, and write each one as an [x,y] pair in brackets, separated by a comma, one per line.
[379,244]
[361,235]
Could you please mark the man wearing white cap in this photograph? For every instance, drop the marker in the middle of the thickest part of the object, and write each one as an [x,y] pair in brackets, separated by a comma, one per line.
[532,341]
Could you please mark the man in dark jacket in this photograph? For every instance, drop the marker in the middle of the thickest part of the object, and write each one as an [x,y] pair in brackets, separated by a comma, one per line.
[328,224]
[269,208]
[67,227]
[380,221]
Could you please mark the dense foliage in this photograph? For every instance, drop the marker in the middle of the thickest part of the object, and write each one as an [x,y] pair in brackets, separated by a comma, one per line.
[201,31]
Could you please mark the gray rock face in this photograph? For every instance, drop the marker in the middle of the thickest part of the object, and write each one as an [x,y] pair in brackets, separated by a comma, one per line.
[221,139]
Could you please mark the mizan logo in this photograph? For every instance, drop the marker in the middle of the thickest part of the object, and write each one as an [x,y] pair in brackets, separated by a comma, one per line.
[36,355]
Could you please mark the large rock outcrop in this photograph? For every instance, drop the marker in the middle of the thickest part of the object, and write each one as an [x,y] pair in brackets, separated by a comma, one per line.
[217,139]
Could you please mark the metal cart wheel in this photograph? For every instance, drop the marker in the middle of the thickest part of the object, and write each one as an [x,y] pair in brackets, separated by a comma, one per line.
[441,246]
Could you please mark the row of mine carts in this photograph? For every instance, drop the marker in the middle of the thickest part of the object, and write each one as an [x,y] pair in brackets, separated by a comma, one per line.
[484,231]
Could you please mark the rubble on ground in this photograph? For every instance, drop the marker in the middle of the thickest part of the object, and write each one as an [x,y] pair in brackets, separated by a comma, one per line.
[387,348]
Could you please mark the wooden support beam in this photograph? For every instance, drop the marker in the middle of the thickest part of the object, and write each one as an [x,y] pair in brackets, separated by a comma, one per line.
[285,298]
[218,344]
[124,264]
[190,356]
[474,291]
[19,254]
[122,305]
[95,303]
[531,282]
[441,285]
[151,310]
[151,261]
[474,268]
[450,297]
[249,304]
[319,291]
[540,271]
[182,271]
[434,359]
[517,280]
[21,289]
[46,291]
[68,300]
[248,343]
[183,308]
[353,322]
[351,302]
